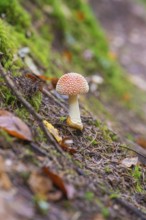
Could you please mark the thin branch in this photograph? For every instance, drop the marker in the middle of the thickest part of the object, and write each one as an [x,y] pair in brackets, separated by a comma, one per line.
[27,105]
[134,147]
[45,92]
[131,208]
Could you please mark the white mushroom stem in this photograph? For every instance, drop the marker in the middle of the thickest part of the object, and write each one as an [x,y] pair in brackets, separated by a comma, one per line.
[74,111]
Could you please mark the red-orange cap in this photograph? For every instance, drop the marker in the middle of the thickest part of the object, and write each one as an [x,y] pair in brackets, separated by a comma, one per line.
[72,84]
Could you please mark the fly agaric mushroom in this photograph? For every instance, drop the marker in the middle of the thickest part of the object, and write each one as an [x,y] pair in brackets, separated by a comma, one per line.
[73,84]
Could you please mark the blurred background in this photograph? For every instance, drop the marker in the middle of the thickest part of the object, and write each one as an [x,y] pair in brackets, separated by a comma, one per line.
[124,22]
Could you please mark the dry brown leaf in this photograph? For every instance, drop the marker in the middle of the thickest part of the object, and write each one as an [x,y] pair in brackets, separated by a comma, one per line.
[65,145]
[67,55]
[67,190]
[141,141]
[128,162]
[63,142]
[54,196]
[5,182]
[32,76]
[5,113]
[98,217]
[14,126]
[42,78]
[40,184]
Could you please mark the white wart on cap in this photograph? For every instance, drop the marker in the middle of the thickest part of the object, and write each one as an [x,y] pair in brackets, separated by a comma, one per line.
[72,84]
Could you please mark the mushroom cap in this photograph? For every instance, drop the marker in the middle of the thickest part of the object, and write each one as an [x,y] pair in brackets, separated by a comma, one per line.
[72,84]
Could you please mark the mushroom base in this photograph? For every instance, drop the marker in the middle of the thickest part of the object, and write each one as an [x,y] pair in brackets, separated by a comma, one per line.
[71,124]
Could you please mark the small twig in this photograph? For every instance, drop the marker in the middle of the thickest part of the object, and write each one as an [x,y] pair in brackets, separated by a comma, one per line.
[135,148]
[27,105]
[131,208]
[37,149]
[45,92]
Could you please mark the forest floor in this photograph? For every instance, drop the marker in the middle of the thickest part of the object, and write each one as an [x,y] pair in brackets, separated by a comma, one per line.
[92,180]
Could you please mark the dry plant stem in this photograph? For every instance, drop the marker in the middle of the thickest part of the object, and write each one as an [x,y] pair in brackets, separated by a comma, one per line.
[135,148]
[11,85]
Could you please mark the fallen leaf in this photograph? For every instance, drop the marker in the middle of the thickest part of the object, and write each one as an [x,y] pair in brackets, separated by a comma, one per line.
[63,142]
[98,217]
[5,113]
[54,196]
[141,141]
[128,162]
[53,131]
[14,126]
[32,76]
[65,145]
[43,78]
[5,182]
[67,55]
[54,81]
[40,184]
[67,190]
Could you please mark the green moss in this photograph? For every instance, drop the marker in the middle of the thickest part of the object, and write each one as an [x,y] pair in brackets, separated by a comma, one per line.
[22,113]
[104,210]
[40,135]
[107,169]
[114,195]
[7,96]
[15,14]
[106,133]
[89,195]
[7,45]
[137,174]
[62,119]
[36,100]
[92,140]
